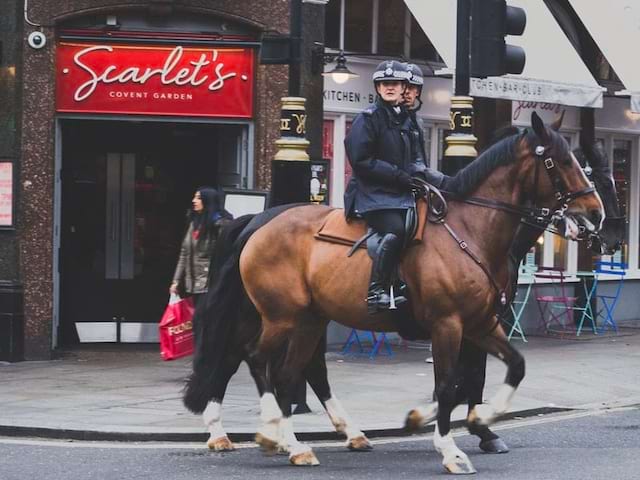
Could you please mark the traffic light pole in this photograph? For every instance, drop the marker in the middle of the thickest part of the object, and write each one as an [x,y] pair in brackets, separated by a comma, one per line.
[461,142]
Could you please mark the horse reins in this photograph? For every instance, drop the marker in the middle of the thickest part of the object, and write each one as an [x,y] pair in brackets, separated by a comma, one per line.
[538,215]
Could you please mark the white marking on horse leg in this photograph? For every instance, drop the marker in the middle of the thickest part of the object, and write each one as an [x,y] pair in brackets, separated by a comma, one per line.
[454,460]
[270,415]
[212,420]
[428,413]
[486,414]
[341,420]
[294,447]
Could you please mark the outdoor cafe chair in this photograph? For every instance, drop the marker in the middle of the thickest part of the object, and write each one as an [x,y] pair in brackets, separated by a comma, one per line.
[554,302]
[517,306]
[609,302]
[378,340]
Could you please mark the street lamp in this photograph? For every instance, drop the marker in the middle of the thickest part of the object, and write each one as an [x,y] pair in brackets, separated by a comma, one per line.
[340,73]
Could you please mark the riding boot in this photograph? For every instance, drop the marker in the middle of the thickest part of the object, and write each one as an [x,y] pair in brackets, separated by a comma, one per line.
[378,297]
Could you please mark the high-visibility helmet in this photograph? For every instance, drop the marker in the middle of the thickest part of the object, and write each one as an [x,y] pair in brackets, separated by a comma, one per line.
[416,77]
[392,71]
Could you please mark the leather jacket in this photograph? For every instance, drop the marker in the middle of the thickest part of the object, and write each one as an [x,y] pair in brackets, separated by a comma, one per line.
[192,271]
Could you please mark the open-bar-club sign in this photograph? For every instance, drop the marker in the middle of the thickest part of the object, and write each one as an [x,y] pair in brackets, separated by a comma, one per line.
[155,80]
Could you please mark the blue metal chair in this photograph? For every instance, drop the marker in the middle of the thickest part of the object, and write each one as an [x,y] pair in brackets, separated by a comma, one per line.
[609,302]
[517,306]
[587,311]
[378,341]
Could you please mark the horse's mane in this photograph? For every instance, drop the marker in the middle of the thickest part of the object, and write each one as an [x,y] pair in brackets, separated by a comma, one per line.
[501,152]
[470,177]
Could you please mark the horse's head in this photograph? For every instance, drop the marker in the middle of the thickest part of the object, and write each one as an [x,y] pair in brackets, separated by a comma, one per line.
[564,186]
[596,165]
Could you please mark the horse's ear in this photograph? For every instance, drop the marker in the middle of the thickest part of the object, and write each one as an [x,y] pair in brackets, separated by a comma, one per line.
[538,127]
[557,123]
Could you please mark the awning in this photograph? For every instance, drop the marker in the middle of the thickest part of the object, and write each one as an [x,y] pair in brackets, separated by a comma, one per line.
[615,27]
[553,73]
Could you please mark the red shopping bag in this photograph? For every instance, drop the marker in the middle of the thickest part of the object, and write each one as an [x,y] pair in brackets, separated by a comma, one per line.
[176,329]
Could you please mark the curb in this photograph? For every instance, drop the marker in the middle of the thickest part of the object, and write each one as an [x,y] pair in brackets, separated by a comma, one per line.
[96,435]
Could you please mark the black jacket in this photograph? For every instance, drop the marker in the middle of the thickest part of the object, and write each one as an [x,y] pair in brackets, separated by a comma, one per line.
[434,177]
[380,152]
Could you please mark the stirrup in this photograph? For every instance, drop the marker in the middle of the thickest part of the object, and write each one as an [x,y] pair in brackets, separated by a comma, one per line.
[395,300]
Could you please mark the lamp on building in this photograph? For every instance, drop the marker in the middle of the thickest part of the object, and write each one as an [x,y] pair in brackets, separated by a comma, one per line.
[340,73]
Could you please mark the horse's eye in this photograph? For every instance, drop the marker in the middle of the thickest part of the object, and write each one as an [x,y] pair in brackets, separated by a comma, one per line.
[588,170]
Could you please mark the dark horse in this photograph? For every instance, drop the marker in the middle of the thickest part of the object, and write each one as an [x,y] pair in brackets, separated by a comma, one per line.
[473,361]
[297,284]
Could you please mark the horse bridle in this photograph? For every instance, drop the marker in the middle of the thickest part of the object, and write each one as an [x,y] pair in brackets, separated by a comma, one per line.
[539,215]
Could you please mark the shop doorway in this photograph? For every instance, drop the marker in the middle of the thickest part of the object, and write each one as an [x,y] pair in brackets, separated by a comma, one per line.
[125,190]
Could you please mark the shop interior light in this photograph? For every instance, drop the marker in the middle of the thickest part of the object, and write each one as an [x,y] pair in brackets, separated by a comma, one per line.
[340,73]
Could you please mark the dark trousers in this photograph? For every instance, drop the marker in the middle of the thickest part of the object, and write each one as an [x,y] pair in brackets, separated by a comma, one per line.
[388,221]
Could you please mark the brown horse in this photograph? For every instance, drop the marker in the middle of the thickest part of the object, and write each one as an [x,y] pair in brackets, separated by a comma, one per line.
[297,283]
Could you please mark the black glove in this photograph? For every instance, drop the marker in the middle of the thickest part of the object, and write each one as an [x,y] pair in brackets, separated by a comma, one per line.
[403,180]
[417,185]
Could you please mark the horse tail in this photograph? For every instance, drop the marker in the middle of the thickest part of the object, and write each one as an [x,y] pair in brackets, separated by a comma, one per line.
[217,319]
[216,315]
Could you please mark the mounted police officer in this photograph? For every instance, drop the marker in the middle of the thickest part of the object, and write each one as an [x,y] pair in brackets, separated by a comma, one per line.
[380,151]
[413,103]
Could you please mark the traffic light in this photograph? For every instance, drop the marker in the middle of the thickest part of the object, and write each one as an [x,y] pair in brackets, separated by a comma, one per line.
[491,56]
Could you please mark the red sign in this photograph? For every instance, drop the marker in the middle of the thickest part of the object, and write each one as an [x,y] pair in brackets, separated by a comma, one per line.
[154,80]
[6,194]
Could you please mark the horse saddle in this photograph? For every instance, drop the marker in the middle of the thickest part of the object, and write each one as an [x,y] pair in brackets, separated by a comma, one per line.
[355,234]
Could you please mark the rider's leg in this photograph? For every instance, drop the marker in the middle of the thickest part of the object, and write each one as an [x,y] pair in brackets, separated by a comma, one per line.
[390,224]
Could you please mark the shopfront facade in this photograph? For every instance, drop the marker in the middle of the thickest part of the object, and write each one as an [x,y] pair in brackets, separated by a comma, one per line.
[126,110]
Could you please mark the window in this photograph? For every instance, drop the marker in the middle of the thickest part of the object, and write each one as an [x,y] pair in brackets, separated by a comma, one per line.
[8,46]
[358,24]
[347,164]
[391,30]
[388,23]
[426,132]
[621,170]
[332,24]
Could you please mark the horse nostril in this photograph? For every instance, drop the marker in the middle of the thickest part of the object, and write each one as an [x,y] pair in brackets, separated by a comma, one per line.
[596,217]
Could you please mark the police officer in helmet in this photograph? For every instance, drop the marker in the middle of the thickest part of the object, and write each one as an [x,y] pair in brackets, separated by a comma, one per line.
[380,190]
[413,104]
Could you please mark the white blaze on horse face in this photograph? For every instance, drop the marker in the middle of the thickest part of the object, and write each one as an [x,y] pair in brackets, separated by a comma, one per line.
[211,418]
[340,419]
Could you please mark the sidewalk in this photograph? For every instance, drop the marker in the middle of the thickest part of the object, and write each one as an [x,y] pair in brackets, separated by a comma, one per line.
[126,392]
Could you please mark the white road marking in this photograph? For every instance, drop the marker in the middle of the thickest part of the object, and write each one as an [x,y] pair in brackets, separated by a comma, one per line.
[507,425]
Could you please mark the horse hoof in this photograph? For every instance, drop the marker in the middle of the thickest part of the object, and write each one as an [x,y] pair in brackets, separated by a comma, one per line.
[221,444]
[460,467]
[304,459]
[282,449]
[414,421]
[359,444]
[494,446]
[266,444]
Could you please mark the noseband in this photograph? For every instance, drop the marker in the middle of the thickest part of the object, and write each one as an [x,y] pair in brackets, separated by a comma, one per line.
[563,196]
